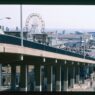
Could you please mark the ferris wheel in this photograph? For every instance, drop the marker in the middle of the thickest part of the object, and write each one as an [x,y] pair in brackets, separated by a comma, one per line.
[34,25]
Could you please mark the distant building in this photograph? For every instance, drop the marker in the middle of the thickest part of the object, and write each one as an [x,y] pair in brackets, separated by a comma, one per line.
[59,40]
[16,33]
[40,38]
[1,31]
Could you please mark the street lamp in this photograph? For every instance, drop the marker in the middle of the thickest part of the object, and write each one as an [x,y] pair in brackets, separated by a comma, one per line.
[21,29]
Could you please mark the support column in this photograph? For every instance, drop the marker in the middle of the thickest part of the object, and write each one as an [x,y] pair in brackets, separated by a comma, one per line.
[45,78]
[13,77]
[38,83]
[24,77]
[62,77]
[53,78]
[72,74]
[58,77]
[65,77]
[8,75]
[42,77]
[82,72]
[32,79]
[83,78]
[86,67]
[77,73]
[18,75]
[49,78]
[0,74]
[91,68]
[88,71]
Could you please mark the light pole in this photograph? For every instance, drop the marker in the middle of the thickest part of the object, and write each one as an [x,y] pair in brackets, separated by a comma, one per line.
[21,29]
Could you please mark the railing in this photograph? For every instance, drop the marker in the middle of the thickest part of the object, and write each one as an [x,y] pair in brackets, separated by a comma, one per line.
[17,41]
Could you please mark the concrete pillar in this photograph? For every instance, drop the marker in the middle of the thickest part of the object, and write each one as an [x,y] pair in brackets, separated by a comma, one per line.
[38,82]
[82,72]
[45,79]
[32,80]
[77,69]
[0,74]
[45,84]
[7,75]
[42,77]
[49,78]
[65,77]
[62,77]
[72,74]
[53,78]
[58,77]
[86,67]
[69,76]
[24,77]
[13,77]
[87,70]
[91,68]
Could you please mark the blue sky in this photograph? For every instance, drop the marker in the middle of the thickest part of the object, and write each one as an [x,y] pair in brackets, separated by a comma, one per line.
[55,16]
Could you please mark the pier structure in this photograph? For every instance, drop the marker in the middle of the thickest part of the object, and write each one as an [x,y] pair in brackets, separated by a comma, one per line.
[54,69]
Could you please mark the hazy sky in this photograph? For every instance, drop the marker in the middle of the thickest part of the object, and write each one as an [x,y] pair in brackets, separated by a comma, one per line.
[55,16]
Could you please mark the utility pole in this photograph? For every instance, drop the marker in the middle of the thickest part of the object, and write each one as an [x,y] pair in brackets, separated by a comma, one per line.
[21,29]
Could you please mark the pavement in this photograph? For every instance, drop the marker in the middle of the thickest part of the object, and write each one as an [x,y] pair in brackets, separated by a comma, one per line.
[4,88]
[84,87]
[77,87]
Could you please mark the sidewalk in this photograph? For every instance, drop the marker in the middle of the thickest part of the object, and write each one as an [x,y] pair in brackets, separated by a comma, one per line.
[4,88]
[81,87]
